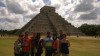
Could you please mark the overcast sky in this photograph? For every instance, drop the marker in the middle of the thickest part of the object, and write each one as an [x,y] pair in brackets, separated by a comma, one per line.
[14,14]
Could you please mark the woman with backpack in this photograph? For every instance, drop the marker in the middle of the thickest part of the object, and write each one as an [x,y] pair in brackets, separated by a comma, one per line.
[64,46]
[18,46]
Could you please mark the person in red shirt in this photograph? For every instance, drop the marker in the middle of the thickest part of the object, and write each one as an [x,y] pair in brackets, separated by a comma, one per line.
[26,44]
[55,45]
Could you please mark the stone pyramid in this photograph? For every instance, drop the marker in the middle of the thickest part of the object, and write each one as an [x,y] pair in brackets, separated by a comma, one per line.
[48,20]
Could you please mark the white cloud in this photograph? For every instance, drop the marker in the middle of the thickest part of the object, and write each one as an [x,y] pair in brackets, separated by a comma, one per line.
[78,11]
[17,13]
[4,11]
[16,7]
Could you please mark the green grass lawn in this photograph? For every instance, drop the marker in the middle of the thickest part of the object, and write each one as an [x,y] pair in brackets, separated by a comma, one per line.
[6,46]
[82,46]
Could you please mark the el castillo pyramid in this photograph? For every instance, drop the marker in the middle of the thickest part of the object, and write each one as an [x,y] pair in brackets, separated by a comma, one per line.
[48,20]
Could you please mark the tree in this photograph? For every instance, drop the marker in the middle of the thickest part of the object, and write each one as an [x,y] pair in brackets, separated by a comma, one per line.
[90,29]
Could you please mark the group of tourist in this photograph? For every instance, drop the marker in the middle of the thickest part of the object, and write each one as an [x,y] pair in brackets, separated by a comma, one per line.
[54,45]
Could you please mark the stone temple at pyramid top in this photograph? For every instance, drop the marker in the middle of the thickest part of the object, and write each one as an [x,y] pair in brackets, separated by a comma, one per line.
[47,9]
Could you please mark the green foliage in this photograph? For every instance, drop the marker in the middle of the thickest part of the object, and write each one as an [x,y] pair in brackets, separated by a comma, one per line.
[90,29]
[9,32]
[98,30]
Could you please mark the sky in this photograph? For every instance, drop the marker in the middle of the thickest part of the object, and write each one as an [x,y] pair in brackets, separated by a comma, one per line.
[14,14]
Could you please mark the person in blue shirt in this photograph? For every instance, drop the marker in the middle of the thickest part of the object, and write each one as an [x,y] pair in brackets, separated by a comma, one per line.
[48,44]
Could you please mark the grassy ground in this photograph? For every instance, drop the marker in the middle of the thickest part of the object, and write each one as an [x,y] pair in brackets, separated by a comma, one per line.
[6,46]
[82,46]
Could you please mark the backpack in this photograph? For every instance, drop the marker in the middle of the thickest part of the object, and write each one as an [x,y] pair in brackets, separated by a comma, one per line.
[17,46]
[60,37]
